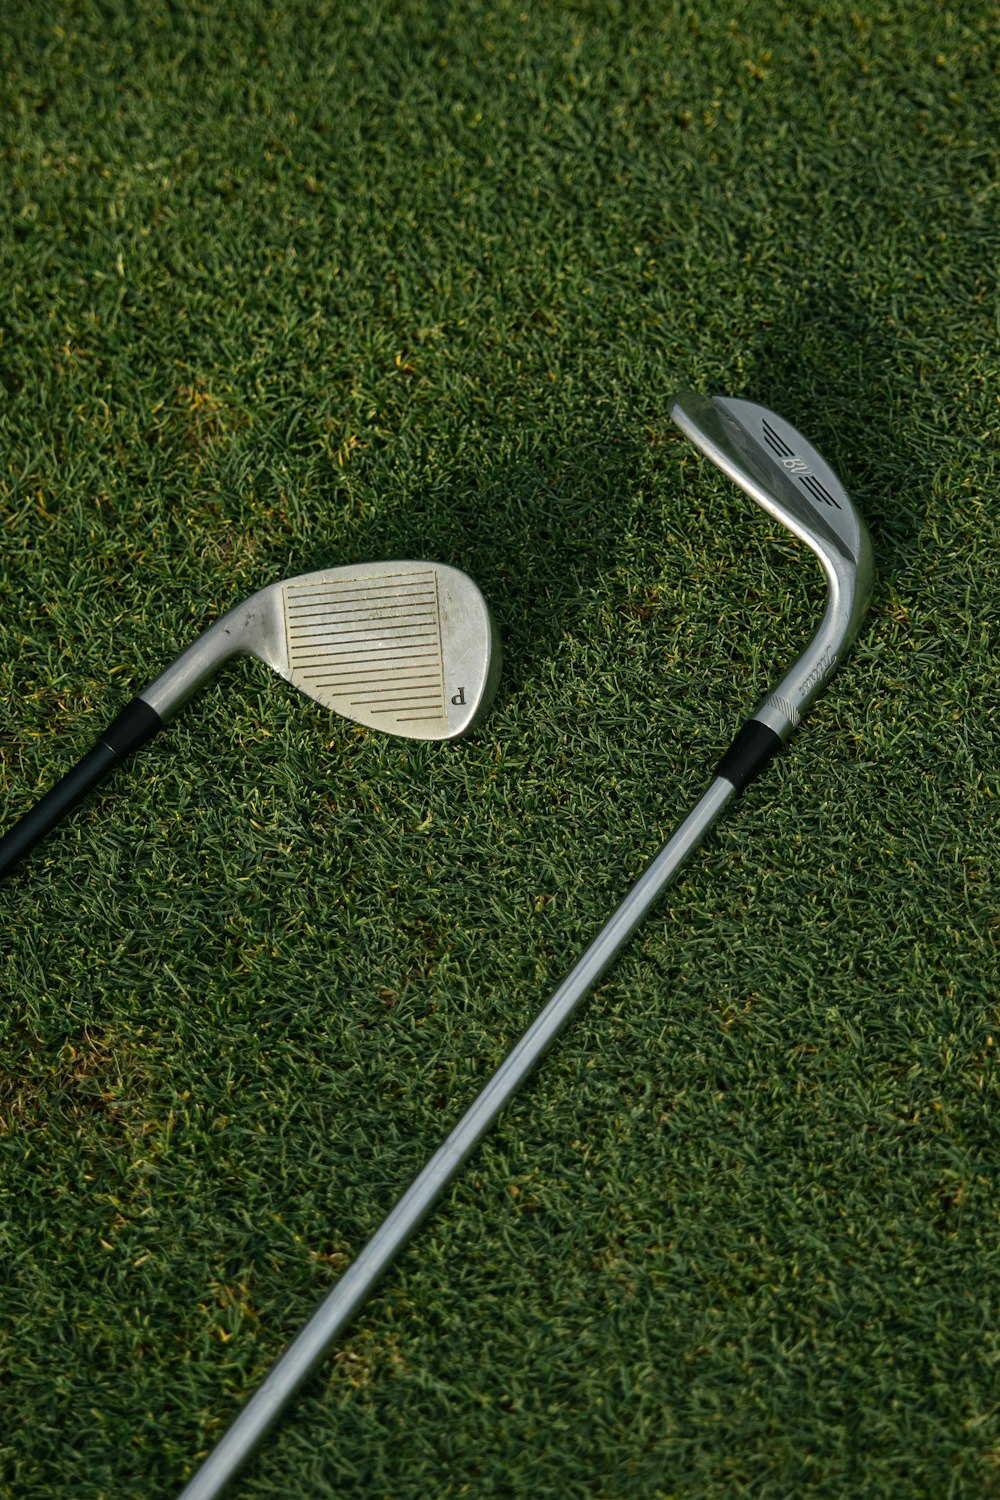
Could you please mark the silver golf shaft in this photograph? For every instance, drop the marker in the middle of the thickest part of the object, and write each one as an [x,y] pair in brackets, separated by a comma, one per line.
[343,1301]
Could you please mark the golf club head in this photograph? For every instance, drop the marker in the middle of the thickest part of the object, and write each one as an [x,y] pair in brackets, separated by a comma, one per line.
[405,647]
[783,473]
[408,648]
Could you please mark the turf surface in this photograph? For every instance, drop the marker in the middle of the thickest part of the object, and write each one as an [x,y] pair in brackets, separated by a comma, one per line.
[286,287]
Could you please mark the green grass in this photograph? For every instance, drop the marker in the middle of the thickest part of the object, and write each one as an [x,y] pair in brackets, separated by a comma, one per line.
[314,283]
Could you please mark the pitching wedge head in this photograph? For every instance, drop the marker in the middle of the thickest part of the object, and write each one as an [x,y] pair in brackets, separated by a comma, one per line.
[777,467]
[405,647]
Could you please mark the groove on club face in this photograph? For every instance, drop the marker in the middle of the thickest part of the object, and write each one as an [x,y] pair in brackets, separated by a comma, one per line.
[408,648]
[371,647]
[776,466]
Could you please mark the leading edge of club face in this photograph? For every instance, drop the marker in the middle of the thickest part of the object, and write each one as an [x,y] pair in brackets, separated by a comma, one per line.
[409,648]
[778,468]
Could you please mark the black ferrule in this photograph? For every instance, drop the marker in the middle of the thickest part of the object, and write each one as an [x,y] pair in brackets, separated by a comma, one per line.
[134,726]
[749,753]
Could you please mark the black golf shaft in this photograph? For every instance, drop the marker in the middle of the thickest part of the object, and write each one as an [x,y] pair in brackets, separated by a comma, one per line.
[134,726]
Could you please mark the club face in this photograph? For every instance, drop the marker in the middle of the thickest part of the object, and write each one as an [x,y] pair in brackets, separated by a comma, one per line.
[777,467]
[408,648]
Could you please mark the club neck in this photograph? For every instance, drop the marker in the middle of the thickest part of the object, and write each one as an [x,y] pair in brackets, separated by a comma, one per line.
[849,587]
[253,628]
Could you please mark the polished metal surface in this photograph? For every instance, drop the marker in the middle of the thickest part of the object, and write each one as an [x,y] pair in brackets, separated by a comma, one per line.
[783,473]
[405,647]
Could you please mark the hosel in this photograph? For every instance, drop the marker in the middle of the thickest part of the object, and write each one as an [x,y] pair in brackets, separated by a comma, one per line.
[779,714]
[253,628]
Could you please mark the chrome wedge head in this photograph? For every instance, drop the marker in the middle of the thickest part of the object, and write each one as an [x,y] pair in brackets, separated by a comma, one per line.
[777,467]
[408,648]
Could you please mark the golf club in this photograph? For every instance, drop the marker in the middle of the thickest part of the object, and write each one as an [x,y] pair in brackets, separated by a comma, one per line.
[775,466]
[405,647]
